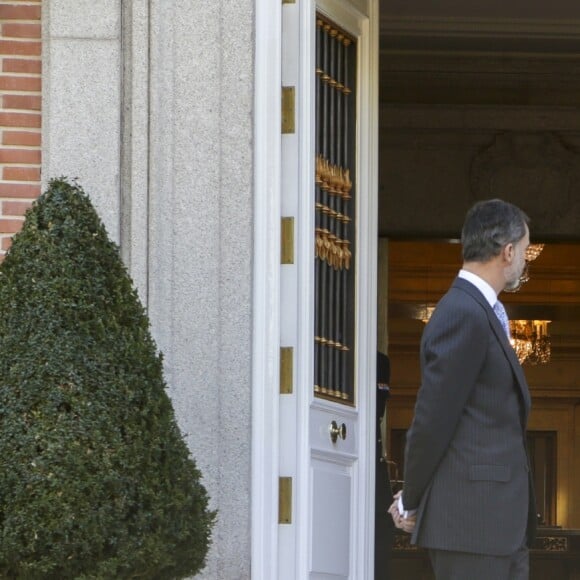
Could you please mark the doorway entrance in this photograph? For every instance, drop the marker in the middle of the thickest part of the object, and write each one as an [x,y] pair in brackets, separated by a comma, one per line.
[479,102]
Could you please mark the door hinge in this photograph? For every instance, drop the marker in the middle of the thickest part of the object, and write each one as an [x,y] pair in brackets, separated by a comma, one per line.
[284,500]
[286,369]
[288,110]
[287,240]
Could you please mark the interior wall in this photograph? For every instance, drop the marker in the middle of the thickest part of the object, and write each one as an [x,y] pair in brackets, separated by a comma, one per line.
[458,125]
[436,163]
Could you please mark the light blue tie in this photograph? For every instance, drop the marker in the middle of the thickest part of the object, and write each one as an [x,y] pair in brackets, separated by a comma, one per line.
[500,312]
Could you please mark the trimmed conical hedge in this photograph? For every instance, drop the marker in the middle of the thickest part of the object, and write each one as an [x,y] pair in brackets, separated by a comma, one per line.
[95,478]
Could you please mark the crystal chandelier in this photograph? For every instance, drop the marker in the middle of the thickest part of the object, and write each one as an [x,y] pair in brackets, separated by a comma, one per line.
[532,252]
[531,341]
[425,313]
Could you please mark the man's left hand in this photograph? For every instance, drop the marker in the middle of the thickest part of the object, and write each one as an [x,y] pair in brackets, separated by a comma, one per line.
[406,524]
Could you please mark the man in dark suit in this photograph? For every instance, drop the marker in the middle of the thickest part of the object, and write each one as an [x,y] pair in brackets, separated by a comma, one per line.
[468,494]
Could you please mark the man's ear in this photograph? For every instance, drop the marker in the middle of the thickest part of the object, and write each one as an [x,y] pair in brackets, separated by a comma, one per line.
[508,252]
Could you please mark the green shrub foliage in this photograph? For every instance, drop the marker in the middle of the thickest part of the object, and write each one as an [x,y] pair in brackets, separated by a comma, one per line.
[96,480]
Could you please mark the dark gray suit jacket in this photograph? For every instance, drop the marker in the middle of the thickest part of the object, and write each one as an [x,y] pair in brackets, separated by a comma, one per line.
[466,464]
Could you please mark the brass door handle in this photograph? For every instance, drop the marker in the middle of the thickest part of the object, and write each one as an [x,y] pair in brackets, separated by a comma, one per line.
[336,431]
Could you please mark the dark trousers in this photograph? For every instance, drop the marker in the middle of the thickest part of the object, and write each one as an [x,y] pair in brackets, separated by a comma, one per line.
[449,565]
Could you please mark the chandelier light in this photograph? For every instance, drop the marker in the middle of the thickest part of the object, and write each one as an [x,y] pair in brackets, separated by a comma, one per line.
[425,313]
[532,252]
[531,341]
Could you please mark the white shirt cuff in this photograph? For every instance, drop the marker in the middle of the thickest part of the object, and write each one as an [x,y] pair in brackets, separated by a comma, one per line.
[402,511]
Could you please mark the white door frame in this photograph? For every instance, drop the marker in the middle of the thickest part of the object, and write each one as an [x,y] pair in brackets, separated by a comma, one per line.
[266,420]
[266,290]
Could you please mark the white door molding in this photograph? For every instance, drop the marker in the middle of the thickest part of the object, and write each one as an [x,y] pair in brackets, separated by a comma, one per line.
[266,290]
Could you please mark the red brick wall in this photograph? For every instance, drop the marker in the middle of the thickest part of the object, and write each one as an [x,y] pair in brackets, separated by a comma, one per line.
[20,112]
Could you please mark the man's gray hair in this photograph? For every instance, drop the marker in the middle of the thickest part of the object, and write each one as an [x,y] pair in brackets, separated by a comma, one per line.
[489,226]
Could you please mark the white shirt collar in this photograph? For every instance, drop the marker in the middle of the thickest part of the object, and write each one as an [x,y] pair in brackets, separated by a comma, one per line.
[481,285]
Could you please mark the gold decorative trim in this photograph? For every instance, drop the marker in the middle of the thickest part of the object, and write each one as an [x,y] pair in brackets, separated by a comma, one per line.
[333,250]
[287,240]
[333,395]
[336,181]
[332,213]
[333,82]
[403,543]
[334,30]
[332,343]
[284,500]
[551,544]
[286,370]
[328,393]
[333,178]
[288,110]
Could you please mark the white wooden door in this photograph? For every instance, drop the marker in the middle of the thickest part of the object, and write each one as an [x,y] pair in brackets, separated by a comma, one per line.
[326,430]
[321,527]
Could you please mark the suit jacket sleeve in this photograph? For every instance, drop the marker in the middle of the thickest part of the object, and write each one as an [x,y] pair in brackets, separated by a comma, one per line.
[452,355]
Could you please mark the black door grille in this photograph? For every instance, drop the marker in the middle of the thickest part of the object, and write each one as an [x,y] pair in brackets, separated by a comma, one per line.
[335,212]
